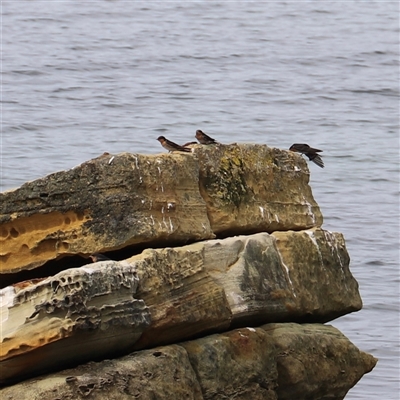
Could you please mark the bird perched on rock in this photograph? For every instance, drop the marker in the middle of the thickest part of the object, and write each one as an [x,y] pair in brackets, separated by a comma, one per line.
[308,151]
[203,138]
[171,146]
[96,257]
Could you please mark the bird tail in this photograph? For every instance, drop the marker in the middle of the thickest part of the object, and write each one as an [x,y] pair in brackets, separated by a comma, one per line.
[316,158]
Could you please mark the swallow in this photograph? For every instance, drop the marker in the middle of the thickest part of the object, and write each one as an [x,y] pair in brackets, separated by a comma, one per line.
[308,151]
[96,257]
[203,138]
[171,146]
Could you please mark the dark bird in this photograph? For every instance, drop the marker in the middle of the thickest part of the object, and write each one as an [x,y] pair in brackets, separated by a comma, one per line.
[96,257]
[203,138]
[308,151]
[171,146]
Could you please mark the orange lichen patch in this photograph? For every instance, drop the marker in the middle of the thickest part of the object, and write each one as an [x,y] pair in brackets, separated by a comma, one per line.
[28,242]
[35,335]
[28,283]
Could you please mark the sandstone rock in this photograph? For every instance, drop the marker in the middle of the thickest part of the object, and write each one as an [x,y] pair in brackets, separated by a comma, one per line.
[190,290]
[276,361]
[112,202]
[211,285]
[182,297]
[292,271]
[238,365]
[318,258]
[104,204]
[162,373]
[259,278]
[77,315]
[252,188]
[316,362]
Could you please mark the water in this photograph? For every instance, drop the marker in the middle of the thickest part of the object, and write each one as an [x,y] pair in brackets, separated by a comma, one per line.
[114,75]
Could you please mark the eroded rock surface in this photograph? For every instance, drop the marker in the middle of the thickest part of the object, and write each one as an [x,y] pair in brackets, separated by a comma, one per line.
[287,270]
[115,201]
[240,364]
[167,295]
[104,204]
[319,258]
[316,361]
[77,315]
[252,188]
[276,361]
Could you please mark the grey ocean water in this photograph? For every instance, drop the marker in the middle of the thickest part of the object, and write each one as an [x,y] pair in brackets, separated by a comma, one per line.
[81,78]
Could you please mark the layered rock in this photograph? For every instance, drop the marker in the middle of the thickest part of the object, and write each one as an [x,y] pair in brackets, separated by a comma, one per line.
[316,361]
[255,188]
[115,201]
[320,259]
[79,314]
[104,204]
[287,269]
[167,295]
[276,361]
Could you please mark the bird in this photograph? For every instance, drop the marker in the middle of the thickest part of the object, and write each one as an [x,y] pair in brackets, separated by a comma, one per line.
[171,146]
[308,151]
[96,257]
[203,138]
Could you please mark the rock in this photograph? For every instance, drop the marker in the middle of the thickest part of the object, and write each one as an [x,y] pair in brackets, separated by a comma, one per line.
[318,258]
[276,361]
[167,295]
[217,284]
[287,276]
[238,365]
[182,297]
[78,315]
[316,361]
[287,270]
[104,204]
[253,188]
[162,373]
[113,202]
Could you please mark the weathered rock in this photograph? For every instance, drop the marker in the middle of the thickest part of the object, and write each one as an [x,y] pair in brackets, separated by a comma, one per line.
[182,297]
[112,202]
[162,373]
[77,315]
[276,361]
[238,365]
[104,204]
[292,271]
[211,285]
[203,287]
[252,188]
[316,362]
[300,276]
[318,258]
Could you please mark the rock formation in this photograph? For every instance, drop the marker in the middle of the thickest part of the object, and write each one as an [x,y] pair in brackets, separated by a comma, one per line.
[275,361]
[116,201]
[282,267]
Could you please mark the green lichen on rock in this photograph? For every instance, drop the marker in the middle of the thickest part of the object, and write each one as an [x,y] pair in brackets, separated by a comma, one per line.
[255,187]
[230,181]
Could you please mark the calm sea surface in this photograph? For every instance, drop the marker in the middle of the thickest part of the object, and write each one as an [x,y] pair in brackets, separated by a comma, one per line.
[81,78]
